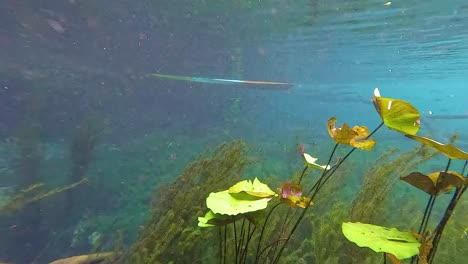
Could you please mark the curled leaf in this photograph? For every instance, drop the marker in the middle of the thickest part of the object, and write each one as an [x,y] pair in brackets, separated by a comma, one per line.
[356,137]
[301,202]
[290,189]
[382,239]
[255,188]
[435,183]
[310,161]
[291,194]
[448,150]
[212,219]
[397,114]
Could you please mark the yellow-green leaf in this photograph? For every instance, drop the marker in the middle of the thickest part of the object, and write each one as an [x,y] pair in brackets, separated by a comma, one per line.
[448,150]
[397,114]
[382,239]
[233,204]
[212,219]
[295,201]
[355,137]
[255,188]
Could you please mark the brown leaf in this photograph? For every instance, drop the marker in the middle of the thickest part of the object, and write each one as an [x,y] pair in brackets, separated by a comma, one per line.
[436,182]
[447,149]
[355,137]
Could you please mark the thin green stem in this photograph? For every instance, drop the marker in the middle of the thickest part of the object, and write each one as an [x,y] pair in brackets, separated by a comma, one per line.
[447,214]
[302,174]
[225,244]
[220,244]
[272,244]
[428,211]
[241,238]
[249,237]
[325,172]
[276,260]
[235,240]
[257,255]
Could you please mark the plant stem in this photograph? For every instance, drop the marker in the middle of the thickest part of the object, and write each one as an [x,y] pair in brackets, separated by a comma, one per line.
[220,243]
[241,238]
[302,174]
[257,255]
[272,244]
[276,260]
[249,237]
[225,244]
[325,172]
[235,240]
[328,176]
[448,212]
[428,211]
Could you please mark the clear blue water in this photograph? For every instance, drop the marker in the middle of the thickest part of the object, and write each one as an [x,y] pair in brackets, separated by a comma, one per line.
[65,62]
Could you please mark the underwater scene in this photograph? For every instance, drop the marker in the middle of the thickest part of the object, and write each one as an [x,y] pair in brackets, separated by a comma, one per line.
[233,131]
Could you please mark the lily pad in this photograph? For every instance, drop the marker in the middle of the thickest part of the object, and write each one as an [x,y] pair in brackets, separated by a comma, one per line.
[397,114]
[355,137]
[233,204]
[310,161]
[382,239]
[448,150]
[436,182]
[255,188]
[212,219]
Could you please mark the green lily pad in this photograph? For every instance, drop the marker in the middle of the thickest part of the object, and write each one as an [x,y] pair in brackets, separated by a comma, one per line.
[448,150]
[233,204]
[212,219]
[397,114]
[256,188]
[310,161]
[382,239]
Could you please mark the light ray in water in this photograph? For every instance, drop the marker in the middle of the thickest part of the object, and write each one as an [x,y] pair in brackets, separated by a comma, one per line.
[268,84]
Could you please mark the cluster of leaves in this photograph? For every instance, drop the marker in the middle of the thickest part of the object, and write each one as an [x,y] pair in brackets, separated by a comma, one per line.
[401,116]
[227,207]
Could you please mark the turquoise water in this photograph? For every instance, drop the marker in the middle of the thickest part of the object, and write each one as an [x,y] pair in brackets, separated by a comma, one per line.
[82,68]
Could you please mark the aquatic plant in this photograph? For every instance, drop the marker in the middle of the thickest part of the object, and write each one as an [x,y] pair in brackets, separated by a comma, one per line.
[397,115]
[248,222]
[170,235]
[433,184]
[33,194]
[81,154]
[380,179]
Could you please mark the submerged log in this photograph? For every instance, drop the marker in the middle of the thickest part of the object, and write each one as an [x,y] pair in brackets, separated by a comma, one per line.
[86,259]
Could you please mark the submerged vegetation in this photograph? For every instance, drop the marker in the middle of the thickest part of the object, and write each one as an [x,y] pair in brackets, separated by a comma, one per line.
[307,218]
[171,234]
[255,223]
